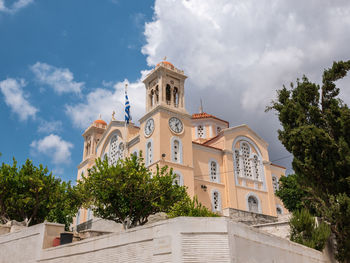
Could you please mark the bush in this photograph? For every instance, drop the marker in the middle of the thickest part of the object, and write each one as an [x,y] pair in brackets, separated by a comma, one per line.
[305,231]
[188,207]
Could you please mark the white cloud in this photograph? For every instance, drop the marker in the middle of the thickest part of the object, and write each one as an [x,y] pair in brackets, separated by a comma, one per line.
[50,126]
[60,79]
[16,99]
[238,53]
[15,6]
[106,100]
[54,147]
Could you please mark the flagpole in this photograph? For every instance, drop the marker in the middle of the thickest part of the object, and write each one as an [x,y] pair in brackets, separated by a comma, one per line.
[125,122]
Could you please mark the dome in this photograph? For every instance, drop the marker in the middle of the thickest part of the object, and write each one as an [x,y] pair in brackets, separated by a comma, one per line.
[166,63]
[99,121]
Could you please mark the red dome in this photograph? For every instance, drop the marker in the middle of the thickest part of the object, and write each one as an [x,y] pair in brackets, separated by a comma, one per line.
[99,121]
[167,63]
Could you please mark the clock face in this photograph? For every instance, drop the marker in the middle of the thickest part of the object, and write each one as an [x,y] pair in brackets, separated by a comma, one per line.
[175,125]
[149,127]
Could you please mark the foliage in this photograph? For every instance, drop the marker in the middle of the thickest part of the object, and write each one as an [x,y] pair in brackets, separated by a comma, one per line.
[305,231]
[293,196]
[188,207]
[315,129]
[33,195]
[128,193]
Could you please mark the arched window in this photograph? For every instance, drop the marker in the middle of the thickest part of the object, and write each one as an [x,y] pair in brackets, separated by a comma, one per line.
[216,201]
[152,98]
[176,151]
[176,97]
[253,204]
[214,171]
[178,179]
[246,162]
[275,183]
[157,94]
[113,151]
[149,153]
[168,94]
[200,131]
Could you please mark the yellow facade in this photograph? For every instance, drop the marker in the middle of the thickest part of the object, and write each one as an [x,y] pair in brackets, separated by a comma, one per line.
[226,167]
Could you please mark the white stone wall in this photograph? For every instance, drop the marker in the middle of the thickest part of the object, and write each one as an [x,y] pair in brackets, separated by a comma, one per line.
[176,240]
[26,245]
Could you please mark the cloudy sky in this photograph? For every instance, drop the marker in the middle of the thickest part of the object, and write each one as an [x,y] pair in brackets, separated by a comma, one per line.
[64,62]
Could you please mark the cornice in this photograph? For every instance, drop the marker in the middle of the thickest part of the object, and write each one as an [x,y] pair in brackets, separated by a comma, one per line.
[170,111]
[246,127]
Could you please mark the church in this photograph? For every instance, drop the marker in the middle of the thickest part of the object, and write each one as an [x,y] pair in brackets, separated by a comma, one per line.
[225,167]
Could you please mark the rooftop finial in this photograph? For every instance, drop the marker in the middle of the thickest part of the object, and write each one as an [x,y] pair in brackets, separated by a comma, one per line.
[113,118]
[165,58]
[201,107]
[100,116]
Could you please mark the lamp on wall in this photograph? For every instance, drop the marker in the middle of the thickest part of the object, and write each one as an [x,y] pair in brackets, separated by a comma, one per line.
[163,155]
[204,187]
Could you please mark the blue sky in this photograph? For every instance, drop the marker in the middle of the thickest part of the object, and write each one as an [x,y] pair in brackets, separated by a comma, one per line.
[64,62]
[97,40]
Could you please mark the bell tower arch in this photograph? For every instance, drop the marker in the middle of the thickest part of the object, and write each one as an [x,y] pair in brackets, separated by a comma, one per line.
[165,86]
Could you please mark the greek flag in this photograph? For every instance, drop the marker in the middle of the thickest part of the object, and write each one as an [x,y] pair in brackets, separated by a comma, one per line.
[127,108]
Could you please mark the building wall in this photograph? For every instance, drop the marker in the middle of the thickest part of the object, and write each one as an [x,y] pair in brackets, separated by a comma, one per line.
[177,240]
[25,246]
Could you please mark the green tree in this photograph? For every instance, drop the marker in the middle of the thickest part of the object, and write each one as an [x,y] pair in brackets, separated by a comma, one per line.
[33,195]
[291,193]
[315,129]
[304,230]
[188,207]
[128,193]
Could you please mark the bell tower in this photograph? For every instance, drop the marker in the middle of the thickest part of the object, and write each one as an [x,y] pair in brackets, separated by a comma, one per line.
[165,86]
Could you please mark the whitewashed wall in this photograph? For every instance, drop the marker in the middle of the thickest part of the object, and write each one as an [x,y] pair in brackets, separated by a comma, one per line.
[177,240]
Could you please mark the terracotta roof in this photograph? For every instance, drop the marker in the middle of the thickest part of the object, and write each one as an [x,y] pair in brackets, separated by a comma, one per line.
[167,63]
[278,166]
[212,139]
[204,115]
[100,122]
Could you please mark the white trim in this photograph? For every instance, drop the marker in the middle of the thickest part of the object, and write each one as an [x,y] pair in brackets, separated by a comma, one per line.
[217,170]
[149,162]
[278,186]
[144,127]
[257,198]
[172,149]
[181,178]
[204,131]
[108,140]
[212,200]
[259,155]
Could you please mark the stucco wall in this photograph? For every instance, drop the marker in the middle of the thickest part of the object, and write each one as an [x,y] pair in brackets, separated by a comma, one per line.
[176,240]
[26,245]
